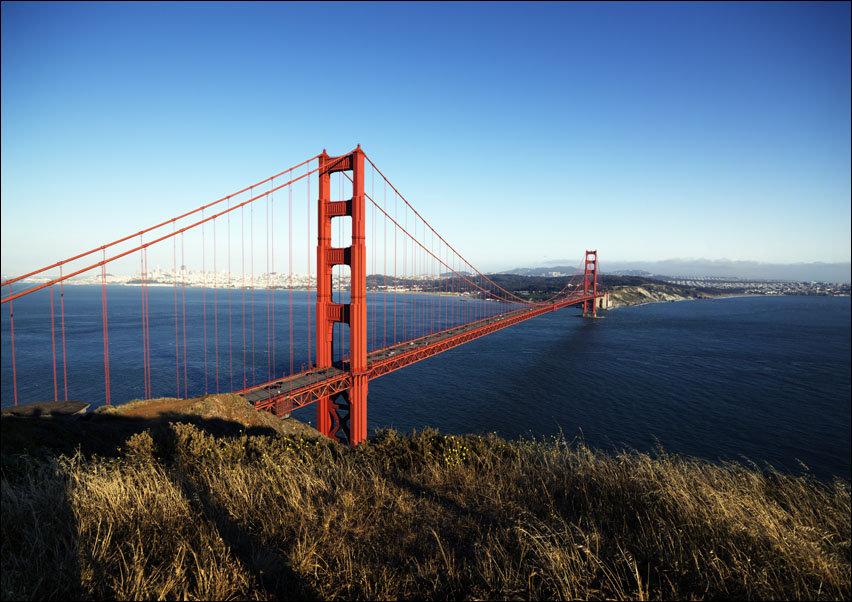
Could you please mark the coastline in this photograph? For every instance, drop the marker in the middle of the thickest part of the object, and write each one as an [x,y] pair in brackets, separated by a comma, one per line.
[620,296]
[705,296]
[678,300]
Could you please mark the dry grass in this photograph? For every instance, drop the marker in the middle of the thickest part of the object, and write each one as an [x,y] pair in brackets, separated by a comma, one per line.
[184,514]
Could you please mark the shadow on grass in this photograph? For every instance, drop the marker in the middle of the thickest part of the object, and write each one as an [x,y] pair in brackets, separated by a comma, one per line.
[30,443]
[99,434]
[269,570]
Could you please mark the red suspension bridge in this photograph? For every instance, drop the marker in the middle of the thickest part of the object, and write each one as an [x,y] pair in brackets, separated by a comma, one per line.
[358,321]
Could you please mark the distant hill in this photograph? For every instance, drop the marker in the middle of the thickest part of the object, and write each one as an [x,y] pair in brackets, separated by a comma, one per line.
[697,268]
[547,272]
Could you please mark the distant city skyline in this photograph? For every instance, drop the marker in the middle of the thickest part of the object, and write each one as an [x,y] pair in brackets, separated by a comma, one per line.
[523,132]
[673,268]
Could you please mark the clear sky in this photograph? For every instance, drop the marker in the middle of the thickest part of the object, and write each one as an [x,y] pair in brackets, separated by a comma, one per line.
[525,133]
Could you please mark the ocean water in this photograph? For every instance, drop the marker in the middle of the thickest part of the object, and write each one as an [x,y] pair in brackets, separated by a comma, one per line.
[765,379]
[761,378]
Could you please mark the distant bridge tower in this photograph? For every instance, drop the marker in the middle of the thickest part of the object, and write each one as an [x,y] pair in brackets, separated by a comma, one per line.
[590,285]
[343,418]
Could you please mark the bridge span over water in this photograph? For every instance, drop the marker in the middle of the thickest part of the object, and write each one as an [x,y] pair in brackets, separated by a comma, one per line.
[219,246]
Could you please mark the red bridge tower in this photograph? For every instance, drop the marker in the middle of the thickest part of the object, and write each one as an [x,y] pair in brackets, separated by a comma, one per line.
[344,417]
[590,285]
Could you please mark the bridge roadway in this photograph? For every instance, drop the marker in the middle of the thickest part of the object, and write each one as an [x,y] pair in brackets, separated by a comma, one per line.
[283,395]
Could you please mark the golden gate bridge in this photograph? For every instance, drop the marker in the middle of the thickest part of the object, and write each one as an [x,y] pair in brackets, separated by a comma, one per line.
[352,337]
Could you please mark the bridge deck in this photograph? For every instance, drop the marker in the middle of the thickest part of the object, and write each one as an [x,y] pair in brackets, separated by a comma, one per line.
[286,394]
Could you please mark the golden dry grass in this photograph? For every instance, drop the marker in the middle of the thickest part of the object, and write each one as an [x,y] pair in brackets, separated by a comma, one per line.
[184,514]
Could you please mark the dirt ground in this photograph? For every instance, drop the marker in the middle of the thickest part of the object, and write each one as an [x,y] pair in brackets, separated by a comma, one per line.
[228,407]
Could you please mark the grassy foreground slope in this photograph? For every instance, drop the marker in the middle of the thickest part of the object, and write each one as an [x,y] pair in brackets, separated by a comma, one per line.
[184,510]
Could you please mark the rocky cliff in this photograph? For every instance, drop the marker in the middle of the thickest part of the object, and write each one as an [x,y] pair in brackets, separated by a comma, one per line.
[652,293]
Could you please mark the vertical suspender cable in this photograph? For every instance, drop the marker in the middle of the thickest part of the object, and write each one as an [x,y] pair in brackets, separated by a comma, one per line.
[449,287]
[147,325]
[440,287]
[456,292]
[395,281]
[385,272]
[452,299]
[53,346]
[204,296]
[183,312]
[374,247]
[274,285]
[432,273]
[427,287]
[468,312]
[253,347]
[467,286]
[268,301]
[463,286]
[442,300]
[418,285]
[308,258]
[336,328]
[230,312]
[426,268]
[174,280]
[341,345]
[271,220]
[436,275]
[405,276]
[243,282]
[290,269]
[449,291]
[419,322]
[146,333]
[144,342]
[457,285]
[106,328]
[62,318]
[427,275]
[14,367]
[215,313]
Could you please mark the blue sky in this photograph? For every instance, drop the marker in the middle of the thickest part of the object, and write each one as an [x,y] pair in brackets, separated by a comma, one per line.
[525,133]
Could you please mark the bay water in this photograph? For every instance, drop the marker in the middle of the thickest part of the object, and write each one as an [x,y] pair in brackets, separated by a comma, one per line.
[762,379]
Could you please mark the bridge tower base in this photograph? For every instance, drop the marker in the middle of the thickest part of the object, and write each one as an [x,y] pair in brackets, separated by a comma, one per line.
[344,417]
[590,285]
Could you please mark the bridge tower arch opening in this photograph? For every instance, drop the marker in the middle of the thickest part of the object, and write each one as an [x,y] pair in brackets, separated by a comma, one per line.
[342,417]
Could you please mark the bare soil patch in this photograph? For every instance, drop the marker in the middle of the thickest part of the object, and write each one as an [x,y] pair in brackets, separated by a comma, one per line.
[226,407]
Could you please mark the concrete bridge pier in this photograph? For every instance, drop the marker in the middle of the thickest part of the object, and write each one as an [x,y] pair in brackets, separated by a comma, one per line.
[600,304]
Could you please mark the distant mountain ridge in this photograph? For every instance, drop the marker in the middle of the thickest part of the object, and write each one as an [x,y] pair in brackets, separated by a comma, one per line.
[697,268]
